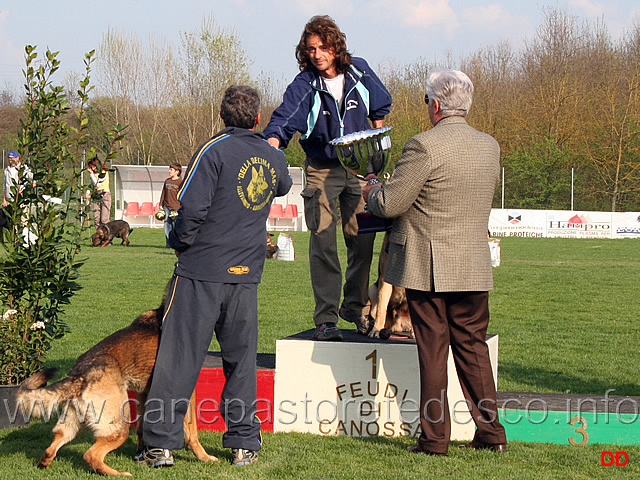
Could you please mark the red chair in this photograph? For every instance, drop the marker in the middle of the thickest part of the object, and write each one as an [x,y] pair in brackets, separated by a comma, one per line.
[133,209]
[146,209]
[291,212]
[276,212]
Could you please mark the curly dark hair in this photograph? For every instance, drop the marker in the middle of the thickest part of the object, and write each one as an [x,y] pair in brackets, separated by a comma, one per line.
[325,27]
[240,106]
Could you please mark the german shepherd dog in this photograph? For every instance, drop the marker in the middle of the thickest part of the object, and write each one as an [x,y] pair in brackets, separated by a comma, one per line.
[106,232]
[272,248]
[389,307]
[94,394]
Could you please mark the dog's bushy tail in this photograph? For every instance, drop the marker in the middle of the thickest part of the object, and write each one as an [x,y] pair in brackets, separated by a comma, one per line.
[38,380]
[39,400]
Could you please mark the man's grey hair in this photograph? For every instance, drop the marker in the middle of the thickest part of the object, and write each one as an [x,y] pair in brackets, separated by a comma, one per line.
[240,106]
[453,89]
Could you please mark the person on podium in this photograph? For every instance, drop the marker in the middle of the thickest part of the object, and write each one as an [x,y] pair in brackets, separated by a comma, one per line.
[334,94]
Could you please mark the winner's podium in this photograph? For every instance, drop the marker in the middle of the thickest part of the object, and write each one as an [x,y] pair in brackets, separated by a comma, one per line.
[359,387]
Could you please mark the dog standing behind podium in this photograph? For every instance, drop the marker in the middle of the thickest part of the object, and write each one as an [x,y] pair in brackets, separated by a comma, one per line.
[272,248]
[389,307]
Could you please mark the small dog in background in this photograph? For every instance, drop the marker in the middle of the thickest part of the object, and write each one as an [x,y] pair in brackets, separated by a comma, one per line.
[389,307]
[106,232]
[272,248]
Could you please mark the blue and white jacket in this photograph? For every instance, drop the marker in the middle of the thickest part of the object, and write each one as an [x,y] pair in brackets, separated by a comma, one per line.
[309,108]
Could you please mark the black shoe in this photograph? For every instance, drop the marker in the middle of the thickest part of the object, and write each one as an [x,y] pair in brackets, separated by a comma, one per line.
[242,456]
[477,445]
[418,449]
[154,457]
[362,323]
[328,332]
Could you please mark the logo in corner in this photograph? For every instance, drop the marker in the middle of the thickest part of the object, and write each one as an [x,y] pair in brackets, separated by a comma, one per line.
[238,270]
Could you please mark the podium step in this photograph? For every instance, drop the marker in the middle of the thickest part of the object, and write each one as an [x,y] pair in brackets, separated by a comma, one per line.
[356,387]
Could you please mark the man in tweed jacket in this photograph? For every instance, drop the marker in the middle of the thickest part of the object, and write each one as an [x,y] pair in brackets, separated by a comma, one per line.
[440,197]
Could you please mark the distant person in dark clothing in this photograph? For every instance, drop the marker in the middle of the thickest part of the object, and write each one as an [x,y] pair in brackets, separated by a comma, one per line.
[169,199]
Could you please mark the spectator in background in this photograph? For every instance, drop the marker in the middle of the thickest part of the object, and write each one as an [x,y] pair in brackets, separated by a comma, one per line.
[12,176]
[169,199]
[98,192]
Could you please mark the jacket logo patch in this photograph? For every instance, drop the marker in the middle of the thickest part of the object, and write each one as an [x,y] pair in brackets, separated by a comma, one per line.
[256,182]
[352,104]
[326,112]
[238,270]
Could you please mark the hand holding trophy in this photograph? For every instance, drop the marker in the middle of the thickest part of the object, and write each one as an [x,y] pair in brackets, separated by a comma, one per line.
[365,154]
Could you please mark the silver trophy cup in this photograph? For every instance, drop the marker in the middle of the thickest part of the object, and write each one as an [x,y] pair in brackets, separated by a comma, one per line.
[365,152]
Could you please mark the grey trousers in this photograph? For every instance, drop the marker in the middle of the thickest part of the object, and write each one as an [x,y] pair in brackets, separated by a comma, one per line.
[326,189]
[194,310]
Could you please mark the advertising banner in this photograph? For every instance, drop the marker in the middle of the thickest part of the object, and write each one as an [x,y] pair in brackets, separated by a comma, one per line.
[563,224]
[626,225]
[567,224]
[517,223]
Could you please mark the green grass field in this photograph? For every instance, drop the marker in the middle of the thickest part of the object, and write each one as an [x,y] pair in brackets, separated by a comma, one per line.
[565,311]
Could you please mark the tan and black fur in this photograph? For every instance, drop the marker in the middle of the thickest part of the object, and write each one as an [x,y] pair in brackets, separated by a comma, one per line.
[100,378]
[272,248]
[106,232]
[389,307]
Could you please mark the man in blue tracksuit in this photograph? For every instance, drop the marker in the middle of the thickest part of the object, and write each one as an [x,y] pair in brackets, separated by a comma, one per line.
[219,236]
[334,94]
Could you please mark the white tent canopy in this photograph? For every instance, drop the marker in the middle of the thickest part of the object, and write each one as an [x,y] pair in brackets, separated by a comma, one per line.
[143,183]
[138,183]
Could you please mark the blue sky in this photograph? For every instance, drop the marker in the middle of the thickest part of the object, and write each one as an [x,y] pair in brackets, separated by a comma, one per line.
[390,32]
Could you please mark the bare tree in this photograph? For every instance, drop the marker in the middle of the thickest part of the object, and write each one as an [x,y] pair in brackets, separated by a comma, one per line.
[553,71]
[136,78]
[407,85]
[613,144]
[211,59]
[493,71]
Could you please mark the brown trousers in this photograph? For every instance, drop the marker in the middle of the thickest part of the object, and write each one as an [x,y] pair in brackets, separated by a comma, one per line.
[102,210]
[460,320]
